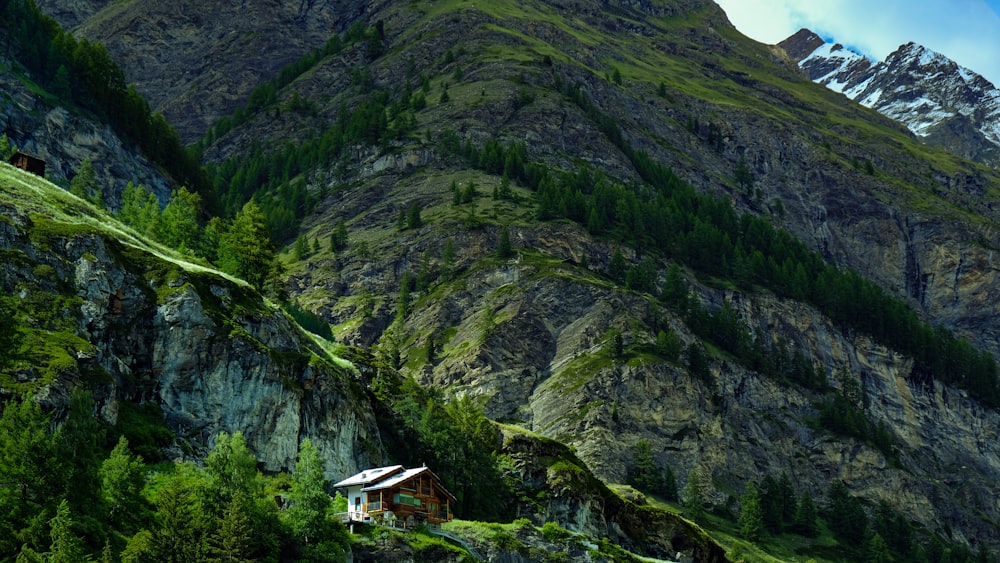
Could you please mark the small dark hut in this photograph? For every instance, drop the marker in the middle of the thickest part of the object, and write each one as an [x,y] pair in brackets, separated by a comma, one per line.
[28,163]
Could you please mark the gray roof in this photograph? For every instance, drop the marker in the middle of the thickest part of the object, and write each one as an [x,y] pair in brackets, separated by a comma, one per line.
[369,476]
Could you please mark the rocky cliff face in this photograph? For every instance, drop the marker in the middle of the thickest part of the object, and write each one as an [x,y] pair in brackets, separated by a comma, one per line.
[196,61]
[945,104]
[64,139]
[152,328]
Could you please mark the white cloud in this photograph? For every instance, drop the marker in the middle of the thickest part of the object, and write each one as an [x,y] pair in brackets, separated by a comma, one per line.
[967,31]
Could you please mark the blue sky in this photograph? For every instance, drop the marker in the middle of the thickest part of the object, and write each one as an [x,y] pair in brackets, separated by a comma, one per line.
[967,31]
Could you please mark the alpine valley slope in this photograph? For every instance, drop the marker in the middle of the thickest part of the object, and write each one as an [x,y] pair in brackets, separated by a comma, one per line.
[944,104]
[585,85]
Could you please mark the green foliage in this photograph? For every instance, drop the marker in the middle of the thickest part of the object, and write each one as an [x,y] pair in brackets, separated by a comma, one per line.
[31,470]
[245,249]
[706,233]
[448,260]
[806,523]
[648,477]
[668,345]
[413,219]
[751,520]
[456,439]
[143,426]
[338,239]
[123,476]
[642,276]
[692,498]
[846,515]
[301,249]
[7,150]
[321,538]
[742,175]
[84,184]
[617,268]
[178,225]
[504,248]
[140,210]
[403,306]
[80,441]
[66,546]
[843,413]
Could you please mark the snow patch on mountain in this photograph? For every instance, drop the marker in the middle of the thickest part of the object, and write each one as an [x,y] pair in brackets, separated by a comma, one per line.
[920,88]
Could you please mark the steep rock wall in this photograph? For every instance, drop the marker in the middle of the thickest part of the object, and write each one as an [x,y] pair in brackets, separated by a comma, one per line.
[204,348]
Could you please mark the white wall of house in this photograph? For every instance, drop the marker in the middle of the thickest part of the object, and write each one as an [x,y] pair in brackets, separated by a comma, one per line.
[356,501]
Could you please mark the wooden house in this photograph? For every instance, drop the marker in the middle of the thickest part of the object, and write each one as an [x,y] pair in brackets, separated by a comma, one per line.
[395,493]
[28,163]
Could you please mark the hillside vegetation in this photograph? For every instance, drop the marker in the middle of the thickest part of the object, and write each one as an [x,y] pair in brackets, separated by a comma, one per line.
[626,229]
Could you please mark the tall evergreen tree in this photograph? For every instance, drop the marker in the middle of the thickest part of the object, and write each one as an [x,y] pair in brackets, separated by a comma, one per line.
[6,148]
[140,210]
[751,519]
[322,538]
[123,476]
[84,184]
[179,220]
[805,517]
[32,472]
[233,540]
[245,249]
[645,475]
[66,546]
[79,440]
[691,498]
[504,249]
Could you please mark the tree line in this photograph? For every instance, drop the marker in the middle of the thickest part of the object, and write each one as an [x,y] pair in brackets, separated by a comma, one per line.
[66,497]
[666,217]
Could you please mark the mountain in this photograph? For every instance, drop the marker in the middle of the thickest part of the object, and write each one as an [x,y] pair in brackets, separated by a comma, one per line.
[941,102]
[618,226]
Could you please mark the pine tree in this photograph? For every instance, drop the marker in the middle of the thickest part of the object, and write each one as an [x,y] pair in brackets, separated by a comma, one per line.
[413,220]
[307,515]
[233,541]
[877,551]
[180,535]
[31,470]
[84,184]
[403,308]
[66,547]
[79,442]
[617,268]
[178,227]
[751,519]
[140,210]
[122,477]
[301,249]
[245,249]
[338,240]
[7,150]
[504,249]
[692,497]
[805,517]
[645,475]
[231,468]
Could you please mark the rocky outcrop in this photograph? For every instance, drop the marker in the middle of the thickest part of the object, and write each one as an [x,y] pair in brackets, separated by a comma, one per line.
[206,349]
[194,61]
[64,139]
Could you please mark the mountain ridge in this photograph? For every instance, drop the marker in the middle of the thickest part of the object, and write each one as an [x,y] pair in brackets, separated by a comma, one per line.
[940,101]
